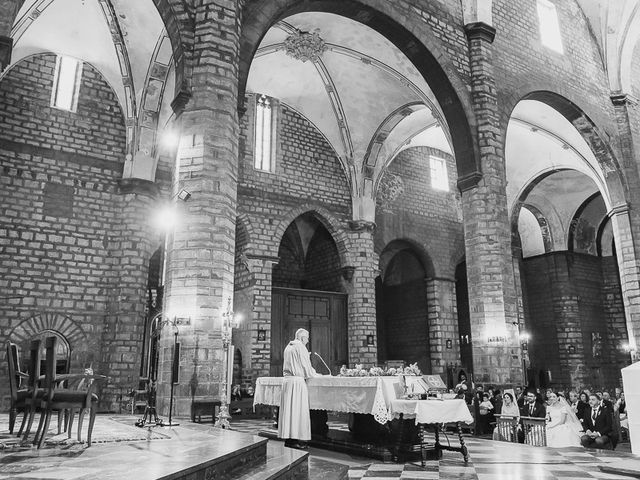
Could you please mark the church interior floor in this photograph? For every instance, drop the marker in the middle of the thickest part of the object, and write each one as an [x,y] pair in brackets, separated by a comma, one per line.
[489,460]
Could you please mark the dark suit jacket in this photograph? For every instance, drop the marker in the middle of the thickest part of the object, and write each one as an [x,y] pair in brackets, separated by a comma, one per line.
[603,424]
[539,410]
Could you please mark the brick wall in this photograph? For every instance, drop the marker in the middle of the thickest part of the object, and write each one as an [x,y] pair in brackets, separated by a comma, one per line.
[307,172]
[428,217]
[61,233]
[568,301]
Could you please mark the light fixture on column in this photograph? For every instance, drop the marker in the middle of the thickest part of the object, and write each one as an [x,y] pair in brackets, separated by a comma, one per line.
[229,321]
[524,340]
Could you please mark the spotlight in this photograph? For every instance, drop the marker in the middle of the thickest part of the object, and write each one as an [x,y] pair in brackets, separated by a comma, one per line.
[170,139]
[183,195]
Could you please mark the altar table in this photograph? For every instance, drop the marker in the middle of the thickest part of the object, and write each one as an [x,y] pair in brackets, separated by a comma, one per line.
[369,395]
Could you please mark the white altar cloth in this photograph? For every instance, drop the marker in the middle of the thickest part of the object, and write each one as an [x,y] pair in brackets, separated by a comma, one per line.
[371,395]
[432,411]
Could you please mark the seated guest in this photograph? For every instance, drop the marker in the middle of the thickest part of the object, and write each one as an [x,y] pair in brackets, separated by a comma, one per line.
[597,425]
[583,405]
[531,408]
[509,409]
[606,400]
[485,410]
[520,397]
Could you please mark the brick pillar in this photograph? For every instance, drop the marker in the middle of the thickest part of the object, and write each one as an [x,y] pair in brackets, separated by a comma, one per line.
[443,324]
[626,221]
[262,268]
[492,296]
[123,330]
[362,295]
[200,253]
[629,273]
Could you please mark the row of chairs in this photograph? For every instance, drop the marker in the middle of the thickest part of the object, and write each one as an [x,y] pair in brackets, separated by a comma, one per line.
[49,393]
[534,430]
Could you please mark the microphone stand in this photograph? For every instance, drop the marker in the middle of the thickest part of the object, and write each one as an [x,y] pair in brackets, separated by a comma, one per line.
[323,362]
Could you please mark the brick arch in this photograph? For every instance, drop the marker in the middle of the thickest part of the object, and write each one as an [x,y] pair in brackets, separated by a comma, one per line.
[414,39]
[590,132]
[245,228]
[179,23]
[397,245]
[327,219]
[67,328]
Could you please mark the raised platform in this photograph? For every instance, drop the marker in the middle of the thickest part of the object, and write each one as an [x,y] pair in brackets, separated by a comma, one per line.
[190,451]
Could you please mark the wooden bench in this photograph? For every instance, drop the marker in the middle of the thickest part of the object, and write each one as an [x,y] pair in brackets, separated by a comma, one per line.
[204,408]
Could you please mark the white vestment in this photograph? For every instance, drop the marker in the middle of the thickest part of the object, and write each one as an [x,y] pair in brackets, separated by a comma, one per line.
[293,419]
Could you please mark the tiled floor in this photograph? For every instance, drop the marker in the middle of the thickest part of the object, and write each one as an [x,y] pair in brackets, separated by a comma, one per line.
[488,460]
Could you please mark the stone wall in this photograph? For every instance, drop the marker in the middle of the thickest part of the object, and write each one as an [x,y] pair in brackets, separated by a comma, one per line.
[63,232]
[574,317]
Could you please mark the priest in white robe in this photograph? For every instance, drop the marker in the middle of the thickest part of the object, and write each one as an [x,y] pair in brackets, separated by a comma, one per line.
[294,422]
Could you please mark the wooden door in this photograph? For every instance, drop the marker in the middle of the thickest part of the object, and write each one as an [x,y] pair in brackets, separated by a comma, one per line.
[323,314]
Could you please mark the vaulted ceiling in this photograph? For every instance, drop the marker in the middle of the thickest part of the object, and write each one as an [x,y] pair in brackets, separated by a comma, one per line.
[363,95]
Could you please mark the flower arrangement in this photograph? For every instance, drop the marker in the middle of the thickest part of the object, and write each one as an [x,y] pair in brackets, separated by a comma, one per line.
[360,371]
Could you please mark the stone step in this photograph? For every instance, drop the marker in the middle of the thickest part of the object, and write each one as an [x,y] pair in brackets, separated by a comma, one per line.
[281,463]
[288,464]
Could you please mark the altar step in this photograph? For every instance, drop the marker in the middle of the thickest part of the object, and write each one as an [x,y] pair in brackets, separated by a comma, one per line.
[280,463]
[344,442]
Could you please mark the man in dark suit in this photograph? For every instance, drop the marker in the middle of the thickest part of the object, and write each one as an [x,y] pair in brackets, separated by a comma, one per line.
[597,425]
[531,408]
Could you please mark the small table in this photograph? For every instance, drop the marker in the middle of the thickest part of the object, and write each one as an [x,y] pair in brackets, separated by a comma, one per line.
[435,413]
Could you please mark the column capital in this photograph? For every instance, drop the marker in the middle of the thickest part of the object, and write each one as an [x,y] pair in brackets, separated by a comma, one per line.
[180,101]
[618,99]
[618,210]
[6,46]
[362,225]
[139,186]
[480,30]
[468,181]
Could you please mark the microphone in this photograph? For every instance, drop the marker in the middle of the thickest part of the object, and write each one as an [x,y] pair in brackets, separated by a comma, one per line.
[323,362]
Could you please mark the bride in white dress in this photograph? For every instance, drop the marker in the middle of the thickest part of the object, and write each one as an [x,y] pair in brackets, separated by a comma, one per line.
[563,427]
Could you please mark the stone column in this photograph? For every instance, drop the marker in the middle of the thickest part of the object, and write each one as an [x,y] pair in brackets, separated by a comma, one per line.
[626,221]
[260,292]
[362,295]
[8,11]
[629,274]
[200,253]
[123,332]
[443,324]
[492,296]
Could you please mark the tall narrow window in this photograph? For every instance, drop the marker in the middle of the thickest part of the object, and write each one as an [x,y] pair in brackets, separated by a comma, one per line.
[263,136]
[439,177]
[66,83]
[549,26]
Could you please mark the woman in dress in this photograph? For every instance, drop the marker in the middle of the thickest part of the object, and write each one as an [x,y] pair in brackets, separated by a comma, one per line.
[563,426]
[509,409]
[583,403]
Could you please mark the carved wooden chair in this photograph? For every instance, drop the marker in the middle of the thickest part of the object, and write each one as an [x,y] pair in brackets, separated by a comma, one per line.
[33,386]
[65,399]
[507,427]
[18,391]
[535,432]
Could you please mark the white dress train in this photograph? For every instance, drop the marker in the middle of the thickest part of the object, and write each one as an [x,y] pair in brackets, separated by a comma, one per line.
[565,434]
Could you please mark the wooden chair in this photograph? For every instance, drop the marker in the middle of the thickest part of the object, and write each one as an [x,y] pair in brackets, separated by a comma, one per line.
[33,386]
[17,392]
[61,399]
[507,426]
[535,432]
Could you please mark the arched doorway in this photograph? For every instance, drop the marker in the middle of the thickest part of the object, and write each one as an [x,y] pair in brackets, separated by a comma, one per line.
[307,293]
[401,306]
